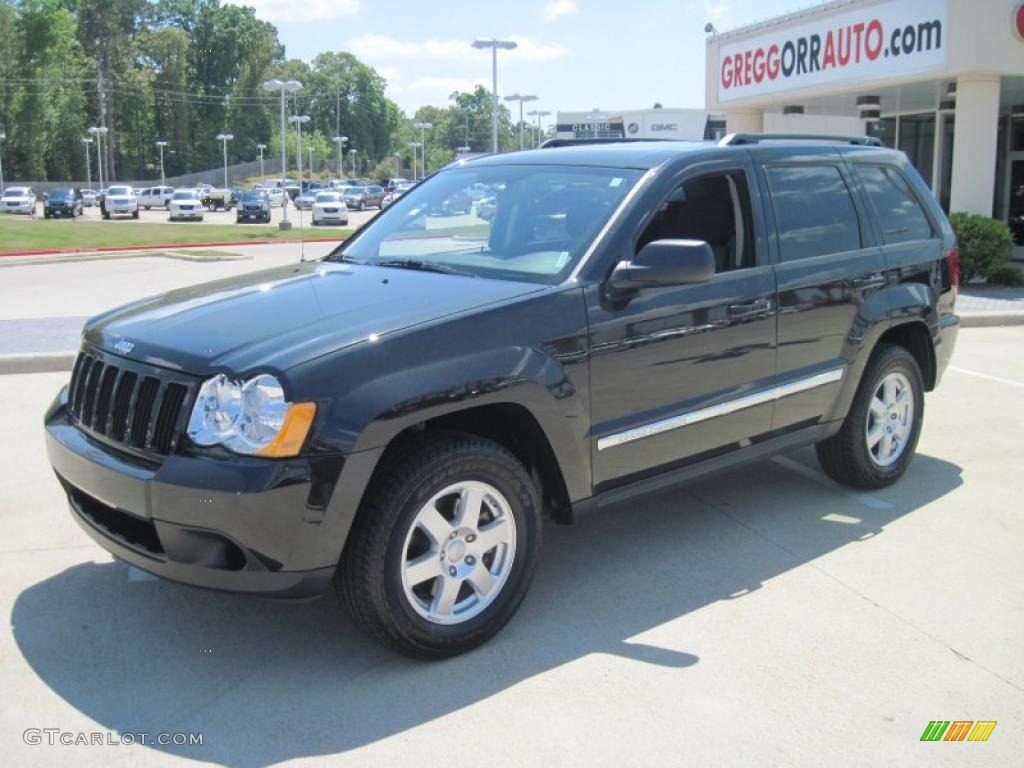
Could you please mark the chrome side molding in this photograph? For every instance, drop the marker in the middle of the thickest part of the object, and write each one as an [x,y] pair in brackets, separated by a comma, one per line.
[721,409]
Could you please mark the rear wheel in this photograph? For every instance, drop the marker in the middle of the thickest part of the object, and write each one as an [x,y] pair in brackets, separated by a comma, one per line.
[444,547]
[877,441]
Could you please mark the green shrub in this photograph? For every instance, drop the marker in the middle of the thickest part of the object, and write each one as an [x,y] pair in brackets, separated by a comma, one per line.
[1007,275]
[985,244]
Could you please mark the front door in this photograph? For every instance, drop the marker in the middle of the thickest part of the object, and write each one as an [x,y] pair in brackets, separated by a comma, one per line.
[683,373]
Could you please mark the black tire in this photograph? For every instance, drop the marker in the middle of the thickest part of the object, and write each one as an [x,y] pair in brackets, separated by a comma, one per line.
[135,214]
[106,216]
[362,205]
[845,457]
[368,580]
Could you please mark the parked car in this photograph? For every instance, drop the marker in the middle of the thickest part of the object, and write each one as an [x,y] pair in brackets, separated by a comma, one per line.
[304,202]
[329,208]
[459,201]
[291,188]
[215,199]
[156,197]
[486,207]
[277,197]
[397,418]
[392,196]
[63,201]
[18,200]
[88,197]
[185,204]
[119,200]
[362,198]
[253,205]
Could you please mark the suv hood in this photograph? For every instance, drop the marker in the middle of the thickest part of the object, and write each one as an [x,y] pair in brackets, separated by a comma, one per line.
[278,318]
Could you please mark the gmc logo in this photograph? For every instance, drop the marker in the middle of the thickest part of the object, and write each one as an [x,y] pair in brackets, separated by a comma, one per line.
[665,127]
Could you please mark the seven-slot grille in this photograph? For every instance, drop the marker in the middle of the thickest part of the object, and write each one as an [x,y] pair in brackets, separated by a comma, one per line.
[129,404]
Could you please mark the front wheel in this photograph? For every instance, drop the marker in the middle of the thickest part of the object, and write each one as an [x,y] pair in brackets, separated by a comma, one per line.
[444,548]
[877,441]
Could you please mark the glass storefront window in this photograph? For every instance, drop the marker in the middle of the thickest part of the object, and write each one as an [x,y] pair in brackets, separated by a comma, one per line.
[946,183]
[917,139]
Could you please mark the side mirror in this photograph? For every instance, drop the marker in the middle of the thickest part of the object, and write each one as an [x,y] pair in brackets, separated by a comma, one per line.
[663,263]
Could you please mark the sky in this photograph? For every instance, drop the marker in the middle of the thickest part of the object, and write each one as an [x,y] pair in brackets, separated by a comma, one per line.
[572,54]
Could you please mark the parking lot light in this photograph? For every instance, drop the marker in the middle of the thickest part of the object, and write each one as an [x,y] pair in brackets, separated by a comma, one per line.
[161,145]
[494,45]
[520,98]
[224,138]
[99,131]
[424,127]
[86,141]
[415,147]
[261,147]
[285,86]
[3,138]
[538,113]
[352,153]
[340,143]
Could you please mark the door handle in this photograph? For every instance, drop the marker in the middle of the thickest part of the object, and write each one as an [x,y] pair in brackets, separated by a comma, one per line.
[876,280]
[748,308]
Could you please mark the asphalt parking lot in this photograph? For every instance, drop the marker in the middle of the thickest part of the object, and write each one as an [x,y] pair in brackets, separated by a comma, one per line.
[759,617]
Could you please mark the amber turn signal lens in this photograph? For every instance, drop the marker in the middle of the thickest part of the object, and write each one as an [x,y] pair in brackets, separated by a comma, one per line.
[288,442]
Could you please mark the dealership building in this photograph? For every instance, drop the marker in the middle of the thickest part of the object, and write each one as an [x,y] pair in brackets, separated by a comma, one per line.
[942,80]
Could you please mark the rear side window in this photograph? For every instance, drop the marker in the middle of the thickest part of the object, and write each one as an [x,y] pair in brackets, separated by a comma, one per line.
[814,212]
[899,213]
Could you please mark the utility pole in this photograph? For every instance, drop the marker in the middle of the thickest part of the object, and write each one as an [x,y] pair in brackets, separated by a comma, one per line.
[3,138]
[224,138]
[340,142]
[494,45]
[423,126]
[261,147]
[415,147]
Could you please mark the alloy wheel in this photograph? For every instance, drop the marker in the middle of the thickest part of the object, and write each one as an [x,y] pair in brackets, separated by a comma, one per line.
[890,420]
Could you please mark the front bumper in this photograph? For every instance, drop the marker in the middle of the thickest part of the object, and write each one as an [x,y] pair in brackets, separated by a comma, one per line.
[228,523]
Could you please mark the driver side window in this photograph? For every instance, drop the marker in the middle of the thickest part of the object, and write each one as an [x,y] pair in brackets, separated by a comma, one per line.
[714,208]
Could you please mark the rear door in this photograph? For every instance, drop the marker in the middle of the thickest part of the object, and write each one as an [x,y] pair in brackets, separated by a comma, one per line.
[827,266]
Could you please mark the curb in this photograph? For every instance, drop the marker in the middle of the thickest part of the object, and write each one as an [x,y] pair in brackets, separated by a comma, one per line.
[37,362]
[166,246]
[992,319]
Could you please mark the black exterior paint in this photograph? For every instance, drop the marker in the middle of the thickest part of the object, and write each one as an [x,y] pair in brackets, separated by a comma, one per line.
[383,350]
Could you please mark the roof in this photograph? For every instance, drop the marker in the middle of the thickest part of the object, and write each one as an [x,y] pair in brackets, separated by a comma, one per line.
[641,155]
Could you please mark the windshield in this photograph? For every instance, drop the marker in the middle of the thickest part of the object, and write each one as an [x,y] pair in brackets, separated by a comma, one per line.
[120,191]
[184,196]
[59,193]
[15,192]
[355,191]
[253,197]
[541,221]
[328,197]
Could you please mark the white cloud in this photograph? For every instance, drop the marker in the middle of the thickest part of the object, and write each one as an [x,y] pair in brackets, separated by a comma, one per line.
[558,8]
[373,47]
[288,10]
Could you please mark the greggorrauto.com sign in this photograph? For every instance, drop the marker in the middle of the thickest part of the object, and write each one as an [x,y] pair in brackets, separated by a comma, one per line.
[885,40]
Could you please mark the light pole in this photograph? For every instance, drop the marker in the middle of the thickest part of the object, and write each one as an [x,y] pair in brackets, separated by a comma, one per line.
[261,147]
[352,153]
[494,45]
[340,142]
[424,127]
[224,138]
[520,98]
[538,114]
[286,86]
[99,132]
[86,141]
[161,145]
[310,150]
[415,146]
[299,120]
[3,138]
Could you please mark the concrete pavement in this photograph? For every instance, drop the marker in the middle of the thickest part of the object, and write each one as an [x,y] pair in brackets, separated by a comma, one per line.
[761,617]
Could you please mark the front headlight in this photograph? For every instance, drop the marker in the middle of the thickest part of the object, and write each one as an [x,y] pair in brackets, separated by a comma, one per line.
[250,417]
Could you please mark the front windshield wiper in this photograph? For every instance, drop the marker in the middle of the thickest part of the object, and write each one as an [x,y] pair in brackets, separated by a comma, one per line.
[423,266]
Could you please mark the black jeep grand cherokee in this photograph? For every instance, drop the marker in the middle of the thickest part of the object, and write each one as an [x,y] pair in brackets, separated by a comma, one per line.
[397,417]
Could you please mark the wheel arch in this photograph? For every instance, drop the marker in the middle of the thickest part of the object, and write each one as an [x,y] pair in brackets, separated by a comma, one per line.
[915,337]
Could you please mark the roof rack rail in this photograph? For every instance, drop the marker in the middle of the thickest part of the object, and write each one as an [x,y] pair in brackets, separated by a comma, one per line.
[734,139]
[567,142]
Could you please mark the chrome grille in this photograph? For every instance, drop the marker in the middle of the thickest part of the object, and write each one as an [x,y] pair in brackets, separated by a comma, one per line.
[141,409]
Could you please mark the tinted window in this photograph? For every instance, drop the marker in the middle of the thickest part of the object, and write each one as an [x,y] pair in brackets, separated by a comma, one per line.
[814,212]
[899,214]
